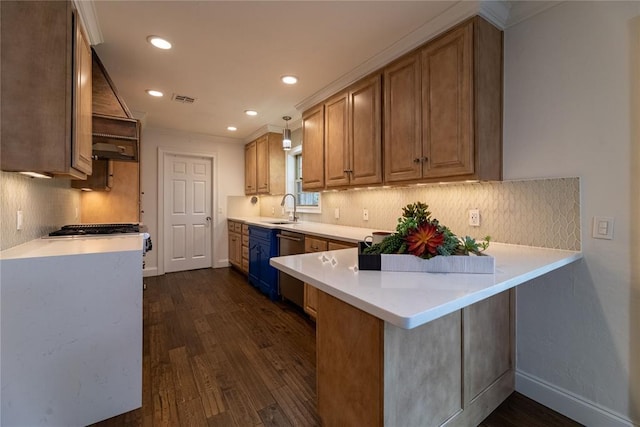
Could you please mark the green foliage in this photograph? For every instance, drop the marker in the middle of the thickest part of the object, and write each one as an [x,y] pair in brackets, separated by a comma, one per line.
[469,245]
[393,244]
[413,216]
[450,244]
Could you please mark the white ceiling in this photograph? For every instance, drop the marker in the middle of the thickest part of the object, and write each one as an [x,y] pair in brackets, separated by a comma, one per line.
[230,55]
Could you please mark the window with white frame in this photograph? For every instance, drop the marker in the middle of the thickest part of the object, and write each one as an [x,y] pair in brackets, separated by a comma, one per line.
[308,202]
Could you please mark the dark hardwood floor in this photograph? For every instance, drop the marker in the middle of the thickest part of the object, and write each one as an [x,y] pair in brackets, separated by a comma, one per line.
[219,353]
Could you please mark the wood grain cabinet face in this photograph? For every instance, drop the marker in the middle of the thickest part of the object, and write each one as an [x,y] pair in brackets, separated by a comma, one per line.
[262,164]
[47,125]
[353,135]
[403,120]
[235,244]
[265,164]
[443,108]
[81,148]
[250,178]
[313,149]
[311,245]
[447,132]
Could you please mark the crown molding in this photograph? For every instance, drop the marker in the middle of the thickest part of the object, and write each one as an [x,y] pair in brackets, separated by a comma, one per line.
[494,11]
[89,18]
[522,10]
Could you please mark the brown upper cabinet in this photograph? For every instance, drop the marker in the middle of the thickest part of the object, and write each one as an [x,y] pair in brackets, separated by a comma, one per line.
[313,149]
[353,135]
[265,168]
[443,108]
[46,75]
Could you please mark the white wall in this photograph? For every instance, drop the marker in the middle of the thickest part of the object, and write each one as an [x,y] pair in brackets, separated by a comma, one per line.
[228,180]
[571,86]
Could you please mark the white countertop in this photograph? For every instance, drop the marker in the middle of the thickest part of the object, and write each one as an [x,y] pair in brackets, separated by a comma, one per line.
[328,231]
[409,299]
[74,245]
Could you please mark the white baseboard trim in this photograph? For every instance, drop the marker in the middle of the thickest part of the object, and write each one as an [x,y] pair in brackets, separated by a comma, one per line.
[150,272]
[222,263]
[567,403]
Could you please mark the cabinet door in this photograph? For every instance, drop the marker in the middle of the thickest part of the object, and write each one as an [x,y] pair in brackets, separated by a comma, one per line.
[312,244]
[81,148]
[365,133]
[402,121]
[313,149]
[235,250]
[447,101]
[262,164]
[336,149]
[250,186]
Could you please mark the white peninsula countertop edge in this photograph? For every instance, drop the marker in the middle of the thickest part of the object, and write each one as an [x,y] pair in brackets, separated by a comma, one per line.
[408,299]
[75,245]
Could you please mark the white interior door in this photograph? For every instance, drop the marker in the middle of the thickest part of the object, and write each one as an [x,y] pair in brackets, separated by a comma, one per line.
[187,212]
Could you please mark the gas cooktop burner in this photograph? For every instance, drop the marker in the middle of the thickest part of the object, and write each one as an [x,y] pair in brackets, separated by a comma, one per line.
[91,229]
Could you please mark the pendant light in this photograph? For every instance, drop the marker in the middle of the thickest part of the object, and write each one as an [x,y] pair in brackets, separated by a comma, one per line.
[286,134]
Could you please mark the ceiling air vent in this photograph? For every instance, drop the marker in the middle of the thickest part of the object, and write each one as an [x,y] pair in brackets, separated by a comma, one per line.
[183,99]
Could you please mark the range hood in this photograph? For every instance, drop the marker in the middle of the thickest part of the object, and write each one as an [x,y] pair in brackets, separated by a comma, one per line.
[116,134]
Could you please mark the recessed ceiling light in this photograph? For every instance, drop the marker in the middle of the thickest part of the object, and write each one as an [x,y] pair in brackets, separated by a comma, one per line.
[232,128]
[251,112]
[290,80]
[159,42]
[155,93]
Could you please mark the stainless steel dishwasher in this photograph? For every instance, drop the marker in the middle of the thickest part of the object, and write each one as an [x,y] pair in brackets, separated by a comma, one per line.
[292,289]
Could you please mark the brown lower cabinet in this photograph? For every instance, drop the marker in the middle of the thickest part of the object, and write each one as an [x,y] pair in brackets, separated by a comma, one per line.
[454,370]
[317,244]
[238,245]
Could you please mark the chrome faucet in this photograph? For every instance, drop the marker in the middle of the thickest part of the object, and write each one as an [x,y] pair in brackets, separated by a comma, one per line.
[295,218]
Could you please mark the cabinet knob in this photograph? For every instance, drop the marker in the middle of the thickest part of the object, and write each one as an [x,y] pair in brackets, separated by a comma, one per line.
[416,160]
[425,159]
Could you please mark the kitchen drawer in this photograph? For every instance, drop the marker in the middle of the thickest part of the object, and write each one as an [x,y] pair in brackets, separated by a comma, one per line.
[238,227]
[245,239]
[245,229]
[337,245]
[312,244]
[245,252]
[245,265]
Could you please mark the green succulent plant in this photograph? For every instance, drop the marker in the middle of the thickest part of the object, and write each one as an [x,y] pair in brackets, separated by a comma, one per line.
[411,236]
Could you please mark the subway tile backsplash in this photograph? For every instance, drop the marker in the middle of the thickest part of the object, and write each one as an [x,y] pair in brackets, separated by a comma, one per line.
[543,212]
[47,204]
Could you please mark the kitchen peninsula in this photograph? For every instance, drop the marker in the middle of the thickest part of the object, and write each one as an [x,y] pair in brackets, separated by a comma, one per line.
[71,329]
[410,349]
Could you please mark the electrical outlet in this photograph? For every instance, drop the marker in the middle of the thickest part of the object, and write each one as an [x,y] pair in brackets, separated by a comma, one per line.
[336,213]
[273,210]
[365,214]
[474,217]
[19,220]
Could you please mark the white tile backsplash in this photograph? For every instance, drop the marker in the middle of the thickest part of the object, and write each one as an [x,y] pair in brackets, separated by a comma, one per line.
[544,212]
[47,204]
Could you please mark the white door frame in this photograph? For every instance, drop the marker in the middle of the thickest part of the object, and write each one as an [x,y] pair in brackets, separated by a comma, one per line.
[162,153]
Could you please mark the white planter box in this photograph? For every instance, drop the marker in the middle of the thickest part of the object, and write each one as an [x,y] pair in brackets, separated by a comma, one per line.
[440,264]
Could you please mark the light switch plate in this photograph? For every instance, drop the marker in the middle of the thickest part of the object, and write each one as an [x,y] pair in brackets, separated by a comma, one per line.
[602,227]
[336,213]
